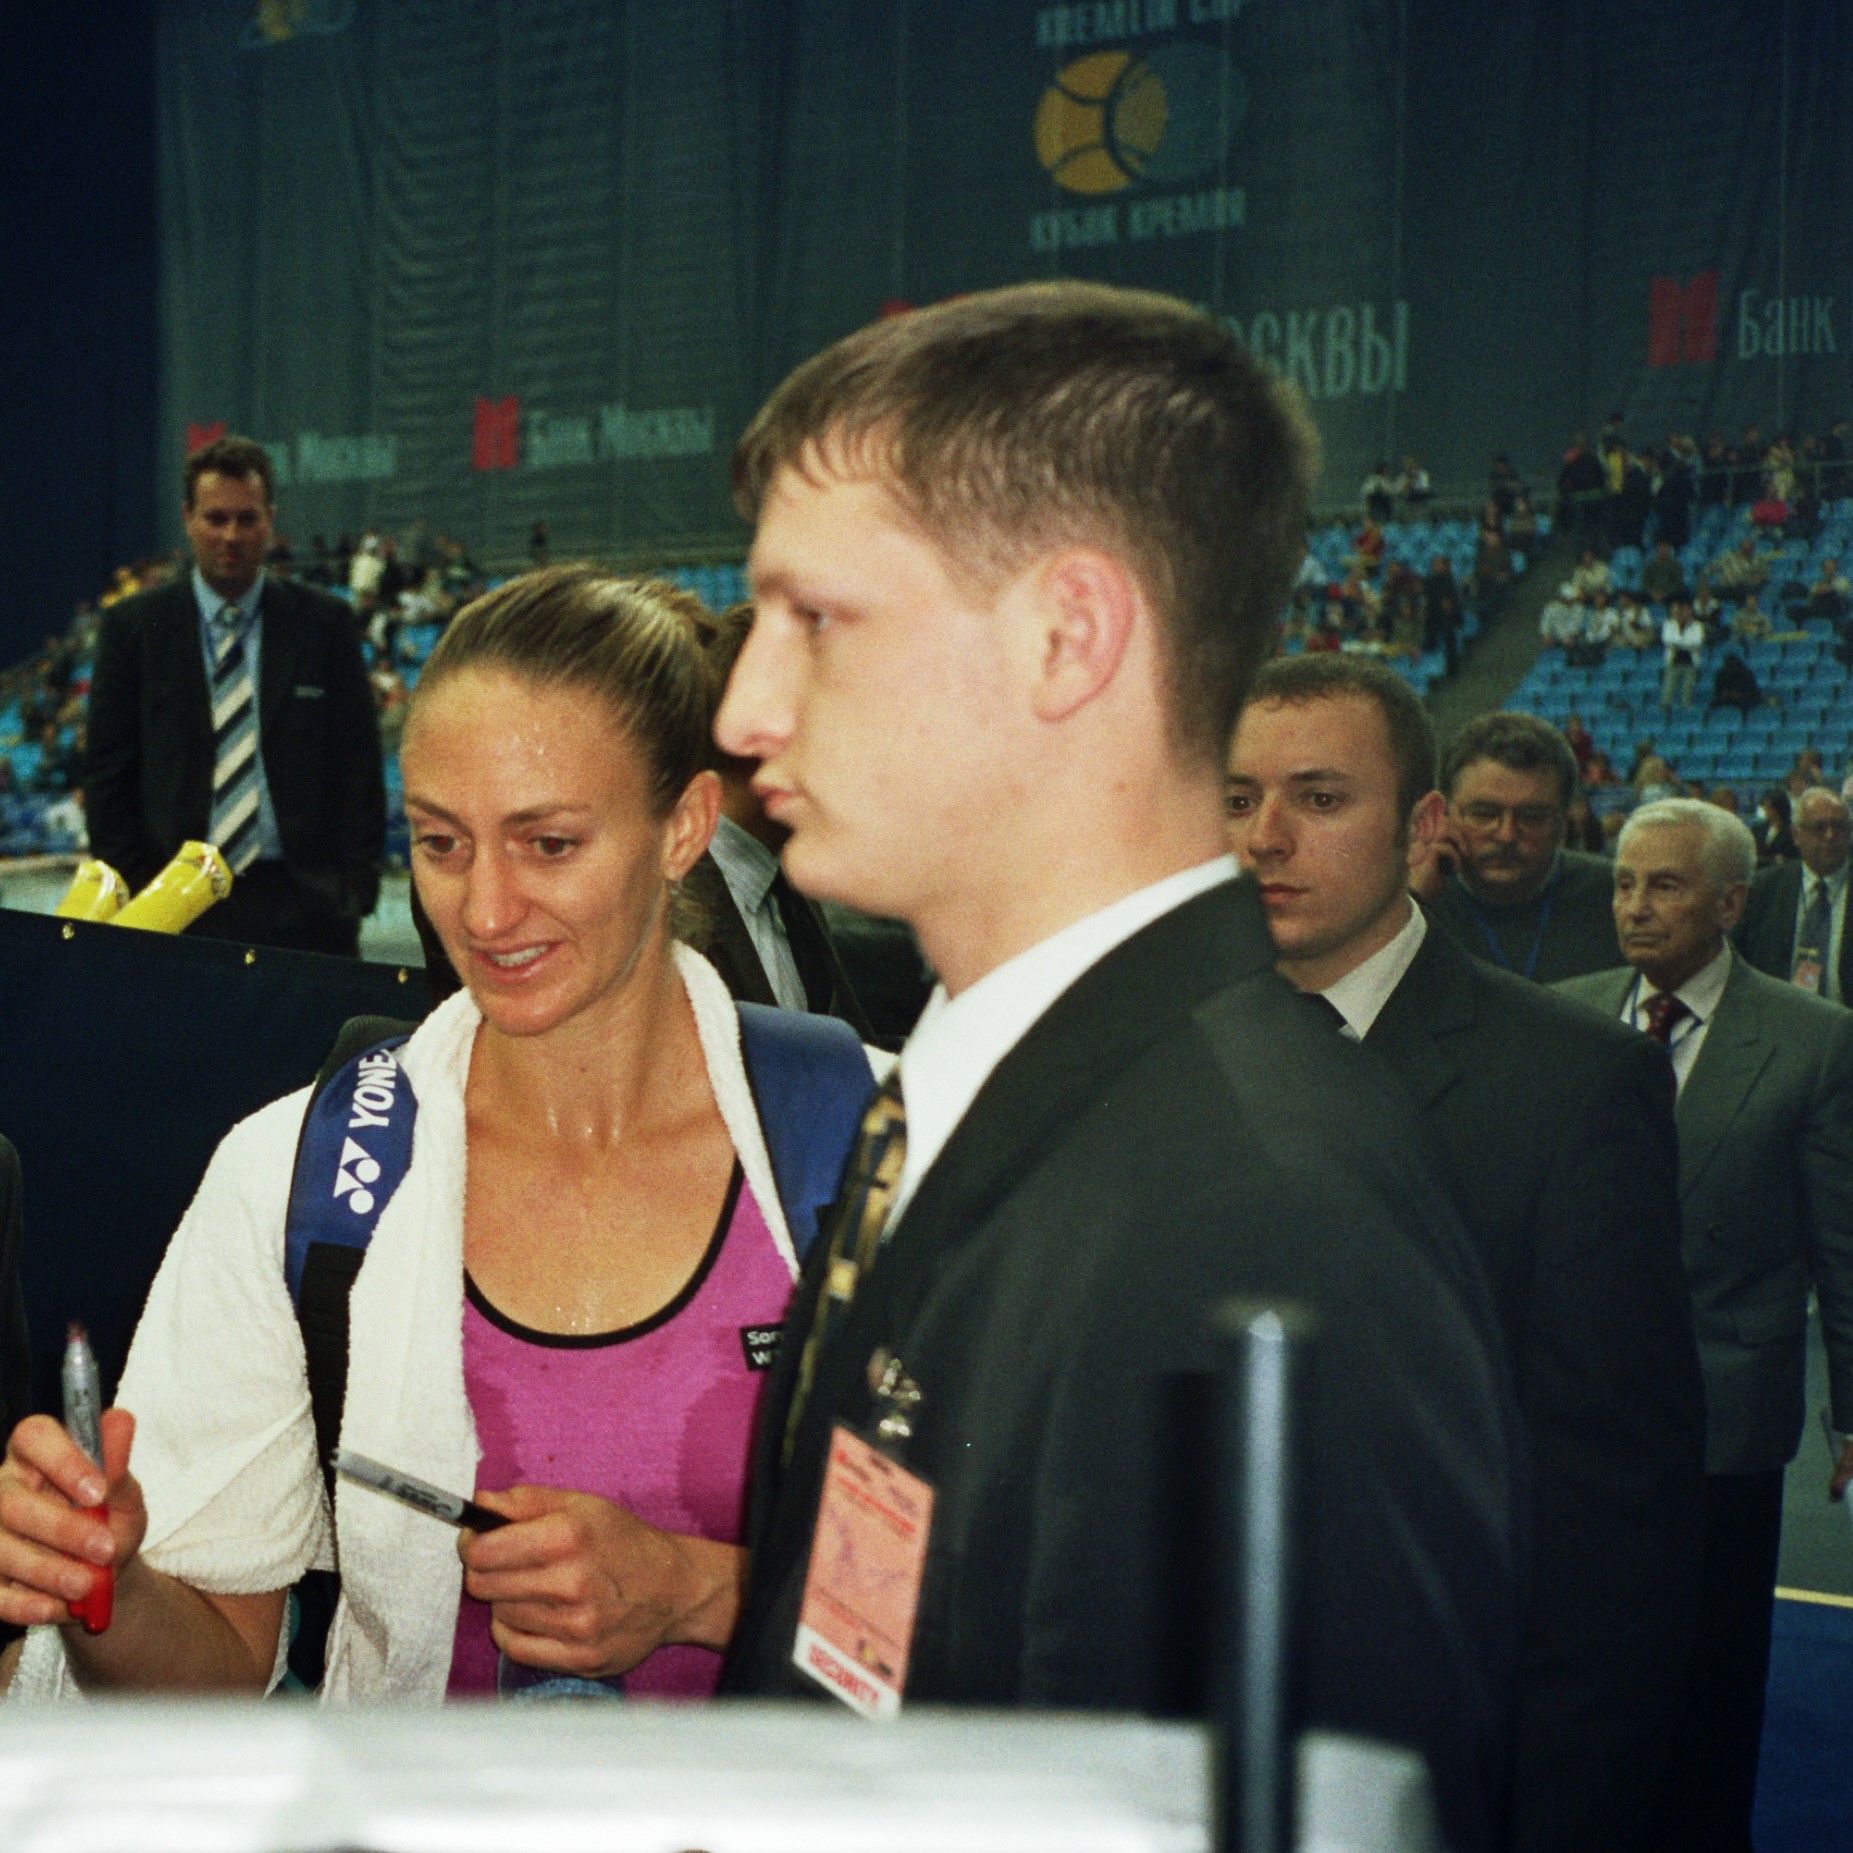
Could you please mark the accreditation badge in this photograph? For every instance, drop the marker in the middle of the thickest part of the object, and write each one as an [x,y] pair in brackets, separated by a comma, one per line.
[868,1557]
[1807,972]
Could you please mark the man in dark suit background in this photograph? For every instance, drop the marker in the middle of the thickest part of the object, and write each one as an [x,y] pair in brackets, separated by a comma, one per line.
[1765,1079]
[1016,557]
[1794,924]
[232,707]
[1496,875]
[1557,1126]
[768,942]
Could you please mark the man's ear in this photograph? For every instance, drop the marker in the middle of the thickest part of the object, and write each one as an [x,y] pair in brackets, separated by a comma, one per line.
[1087,605]
[1425,821]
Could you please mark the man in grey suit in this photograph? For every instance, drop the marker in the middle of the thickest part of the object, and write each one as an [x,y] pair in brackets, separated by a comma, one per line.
[1765,1112]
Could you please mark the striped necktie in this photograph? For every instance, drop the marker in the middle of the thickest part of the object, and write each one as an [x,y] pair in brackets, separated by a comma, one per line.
[234,745]
[861,1213]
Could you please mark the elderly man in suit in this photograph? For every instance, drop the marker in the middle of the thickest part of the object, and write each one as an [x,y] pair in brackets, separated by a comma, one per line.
[1794,924]
[1016,558]
[232,707]
[1765,1080]
[1557,1124]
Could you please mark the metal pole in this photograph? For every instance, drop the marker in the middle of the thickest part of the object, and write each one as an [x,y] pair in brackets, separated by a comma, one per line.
[1264,1356]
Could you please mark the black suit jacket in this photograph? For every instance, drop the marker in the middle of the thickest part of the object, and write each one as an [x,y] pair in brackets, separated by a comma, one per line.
[1766,933]
[721,936]
[1175,1129]
[148,777]
[1557,1124]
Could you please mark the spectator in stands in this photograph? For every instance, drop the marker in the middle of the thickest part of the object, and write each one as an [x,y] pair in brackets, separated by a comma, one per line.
[1735,686]
[1674,488]
[1579,488]
[1779,483]
[1413,484]
[1497,876]
[1742,569]
[1709,612]
[1367,546]
[1582,827]
[288,783]
[1747,467]
[1582,742]
[1654,780]
[1830,596]
[1521,525]
[1561,621]
[1724,798]
[1599,774]
[1378,493]
[1715,472]
[1492,564]
[60,763]
[1835,483]
[588,1152]
[1775,840]
[1400,619]
[1683,638]
[1749,622]
[1602,624]
[1808,766]
[1359,600]
[389,695]
[363,577]
[1442,614]
[1635,625]
[1504,486]
[1663,579]
[1633,502]
[1591,575]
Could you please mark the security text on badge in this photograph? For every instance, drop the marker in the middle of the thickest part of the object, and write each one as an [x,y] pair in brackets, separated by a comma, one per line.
[867,1558]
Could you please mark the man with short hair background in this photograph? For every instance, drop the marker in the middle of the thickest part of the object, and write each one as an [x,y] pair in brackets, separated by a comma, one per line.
[1494,872]
[1558,1128]
[1016,558]
[232,707]
[1765,1080]
[1794,924]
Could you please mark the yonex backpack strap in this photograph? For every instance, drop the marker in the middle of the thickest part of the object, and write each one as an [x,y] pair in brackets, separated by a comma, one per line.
[811,1084]
[355,1145]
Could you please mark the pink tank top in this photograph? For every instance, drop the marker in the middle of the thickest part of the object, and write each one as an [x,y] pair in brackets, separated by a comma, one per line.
[656,1417]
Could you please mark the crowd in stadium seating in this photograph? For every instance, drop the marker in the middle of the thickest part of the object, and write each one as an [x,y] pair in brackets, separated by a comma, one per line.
[1702,644]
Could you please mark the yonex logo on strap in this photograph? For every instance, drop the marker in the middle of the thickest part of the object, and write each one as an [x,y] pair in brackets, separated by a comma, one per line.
[373,1095]
[358,1169]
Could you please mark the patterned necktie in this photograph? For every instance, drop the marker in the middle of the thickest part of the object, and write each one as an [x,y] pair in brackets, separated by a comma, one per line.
[1664,1011]
[856,1224]
[1817,926]
[234,746]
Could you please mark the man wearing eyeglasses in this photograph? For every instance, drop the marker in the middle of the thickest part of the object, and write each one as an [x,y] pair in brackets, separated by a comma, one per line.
[1496,875]
[1794,924]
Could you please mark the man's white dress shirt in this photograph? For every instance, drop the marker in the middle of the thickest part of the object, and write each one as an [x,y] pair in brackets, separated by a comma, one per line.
[1837,920]
[1361,994]
[1700,994]
[959,1040]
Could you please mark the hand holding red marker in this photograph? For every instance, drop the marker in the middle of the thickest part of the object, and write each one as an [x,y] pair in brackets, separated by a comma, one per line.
[83,1418]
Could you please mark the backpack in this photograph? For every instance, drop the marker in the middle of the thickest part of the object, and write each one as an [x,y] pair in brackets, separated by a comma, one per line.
[810,1082]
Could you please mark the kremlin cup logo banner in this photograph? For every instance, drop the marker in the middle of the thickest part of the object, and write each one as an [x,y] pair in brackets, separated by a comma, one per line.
[1136,135]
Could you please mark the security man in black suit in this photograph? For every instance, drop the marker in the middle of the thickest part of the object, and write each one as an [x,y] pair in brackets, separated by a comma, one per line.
[1557,1125]
[232,707]
[1016,558]
[1794,924]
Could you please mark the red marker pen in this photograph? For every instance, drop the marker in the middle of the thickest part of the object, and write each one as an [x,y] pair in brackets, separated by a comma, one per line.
[83,1412]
